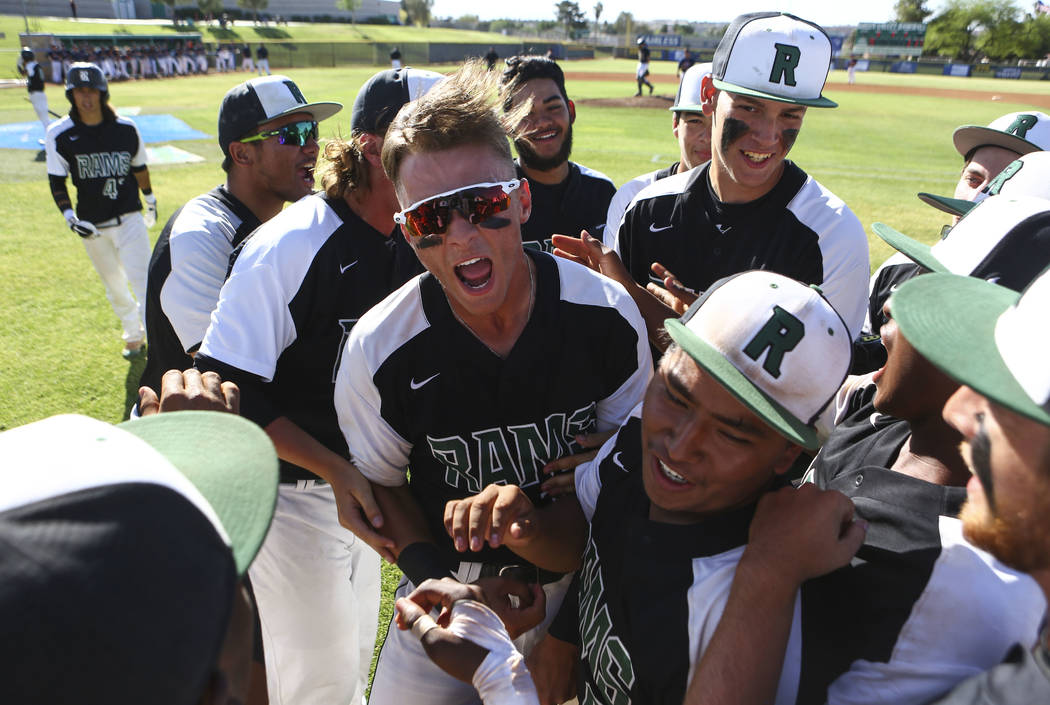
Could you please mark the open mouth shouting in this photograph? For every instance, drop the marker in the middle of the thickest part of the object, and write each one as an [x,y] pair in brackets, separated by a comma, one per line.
[667,477]
[306,173]
[475,273]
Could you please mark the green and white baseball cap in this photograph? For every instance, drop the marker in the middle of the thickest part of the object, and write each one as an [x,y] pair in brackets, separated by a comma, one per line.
[1024,132]
[1027,176]
[775,56]
[688,98]
[986,336]
[1004,239]
[777,345]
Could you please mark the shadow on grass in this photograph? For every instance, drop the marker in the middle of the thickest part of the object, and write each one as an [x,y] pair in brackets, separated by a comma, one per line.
[136,366]
[227,34]
[271,32]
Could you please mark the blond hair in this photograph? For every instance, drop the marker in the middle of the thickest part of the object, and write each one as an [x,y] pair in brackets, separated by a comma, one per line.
[463,109]
[344,167]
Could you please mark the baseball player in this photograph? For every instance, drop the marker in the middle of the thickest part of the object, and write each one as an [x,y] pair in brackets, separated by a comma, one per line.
[480,370]
[750,207]
[641,72]
[106,158]
[262,59]
[246,59]
[986,151]
[294,294]
[668,498]
[34,73]
[267,132]
[1001,412]
[566,197]
[692,130]
[687,62]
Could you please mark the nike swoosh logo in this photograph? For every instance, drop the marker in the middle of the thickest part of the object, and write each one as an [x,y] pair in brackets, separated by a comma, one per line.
[874,419]
[416,385]
[342,270]
[654,229]
[616,459]
[74,138]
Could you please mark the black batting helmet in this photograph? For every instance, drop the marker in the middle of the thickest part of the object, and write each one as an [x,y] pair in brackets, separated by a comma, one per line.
[84,73]
[27,54]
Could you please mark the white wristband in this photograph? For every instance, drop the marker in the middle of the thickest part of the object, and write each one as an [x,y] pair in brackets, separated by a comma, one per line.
[151,198]
[69,215]
[502,678]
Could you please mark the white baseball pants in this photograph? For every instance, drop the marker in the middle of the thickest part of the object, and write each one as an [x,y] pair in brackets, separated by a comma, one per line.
[39,101]
[317,589]
[405,674]
[121,257]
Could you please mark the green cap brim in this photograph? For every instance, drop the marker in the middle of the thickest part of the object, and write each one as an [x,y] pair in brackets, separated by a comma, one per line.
[954,206]
[687,109]
[950,320]
[714,363]
[230,460]
[912,249]
[819,102]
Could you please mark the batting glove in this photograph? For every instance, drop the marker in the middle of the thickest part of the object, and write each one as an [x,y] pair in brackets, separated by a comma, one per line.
[151,210]
[84,228]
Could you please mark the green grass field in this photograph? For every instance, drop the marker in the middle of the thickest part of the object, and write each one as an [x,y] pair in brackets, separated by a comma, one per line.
[60,342]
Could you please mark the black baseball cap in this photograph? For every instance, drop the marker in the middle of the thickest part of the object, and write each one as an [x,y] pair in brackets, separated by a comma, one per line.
[250,104]
[386,93]
[121,548]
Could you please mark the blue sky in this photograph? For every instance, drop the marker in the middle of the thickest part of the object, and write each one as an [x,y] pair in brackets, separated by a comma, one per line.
[825,12]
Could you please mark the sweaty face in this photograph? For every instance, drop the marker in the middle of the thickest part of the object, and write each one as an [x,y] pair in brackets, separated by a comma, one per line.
[703,451]
[1007,510]
[693,132]
[284,170]
[984,165]
[546,140]
[750,137]
[482,267]
[908,386]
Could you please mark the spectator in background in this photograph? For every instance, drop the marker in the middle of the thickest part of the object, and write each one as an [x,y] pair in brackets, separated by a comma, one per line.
[262,59]
[686,63]
[491,58]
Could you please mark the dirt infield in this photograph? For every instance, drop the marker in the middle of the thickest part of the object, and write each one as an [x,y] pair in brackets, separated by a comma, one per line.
[657,101]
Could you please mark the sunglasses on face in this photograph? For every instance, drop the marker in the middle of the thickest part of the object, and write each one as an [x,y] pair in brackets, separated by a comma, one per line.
[297,133]
[477,203]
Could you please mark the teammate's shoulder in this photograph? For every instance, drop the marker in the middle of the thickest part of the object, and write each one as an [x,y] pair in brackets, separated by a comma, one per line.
[126,122]
[582,285]
[392,322]
[302,227]
[820,209]
[634,186]
[669,187]
[589,173]
[57,127]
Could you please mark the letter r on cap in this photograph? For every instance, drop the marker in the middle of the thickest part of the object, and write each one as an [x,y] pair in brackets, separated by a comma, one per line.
[784,64]
[780,335]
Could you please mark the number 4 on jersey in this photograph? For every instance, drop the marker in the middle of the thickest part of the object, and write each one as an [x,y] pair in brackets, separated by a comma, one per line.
[109,189]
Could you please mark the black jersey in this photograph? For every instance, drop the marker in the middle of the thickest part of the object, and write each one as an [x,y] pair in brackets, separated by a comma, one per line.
[186,272]
[651,593]
[887,628]
[798,229]
[34,77]
[300,284]
[1022,679]
[892,273]
[581,202]
[643,54]
[416,388]
[100,159]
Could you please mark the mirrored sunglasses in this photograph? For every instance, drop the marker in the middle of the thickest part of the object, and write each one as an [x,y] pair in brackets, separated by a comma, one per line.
[477,203]
[297,133]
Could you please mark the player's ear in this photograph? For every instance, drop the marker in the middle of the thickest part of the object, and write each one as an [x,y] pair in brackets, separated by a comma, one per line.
[787,458]
[525,200]
[708,95]
[241,154]
[674,123]
[572,112]
[372,149]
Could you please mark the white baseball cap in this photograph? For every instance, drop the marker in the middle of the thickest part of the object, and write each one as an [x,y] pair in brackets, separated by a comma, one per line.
[776,56]
[777,345]
[1027,176]
[688,98]
[1003,239]
[1019,132]
[986,336]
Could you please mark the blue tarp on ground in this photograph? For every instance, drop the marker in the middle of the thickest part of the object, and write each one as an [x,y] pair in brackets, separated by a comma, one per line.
[153,128]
